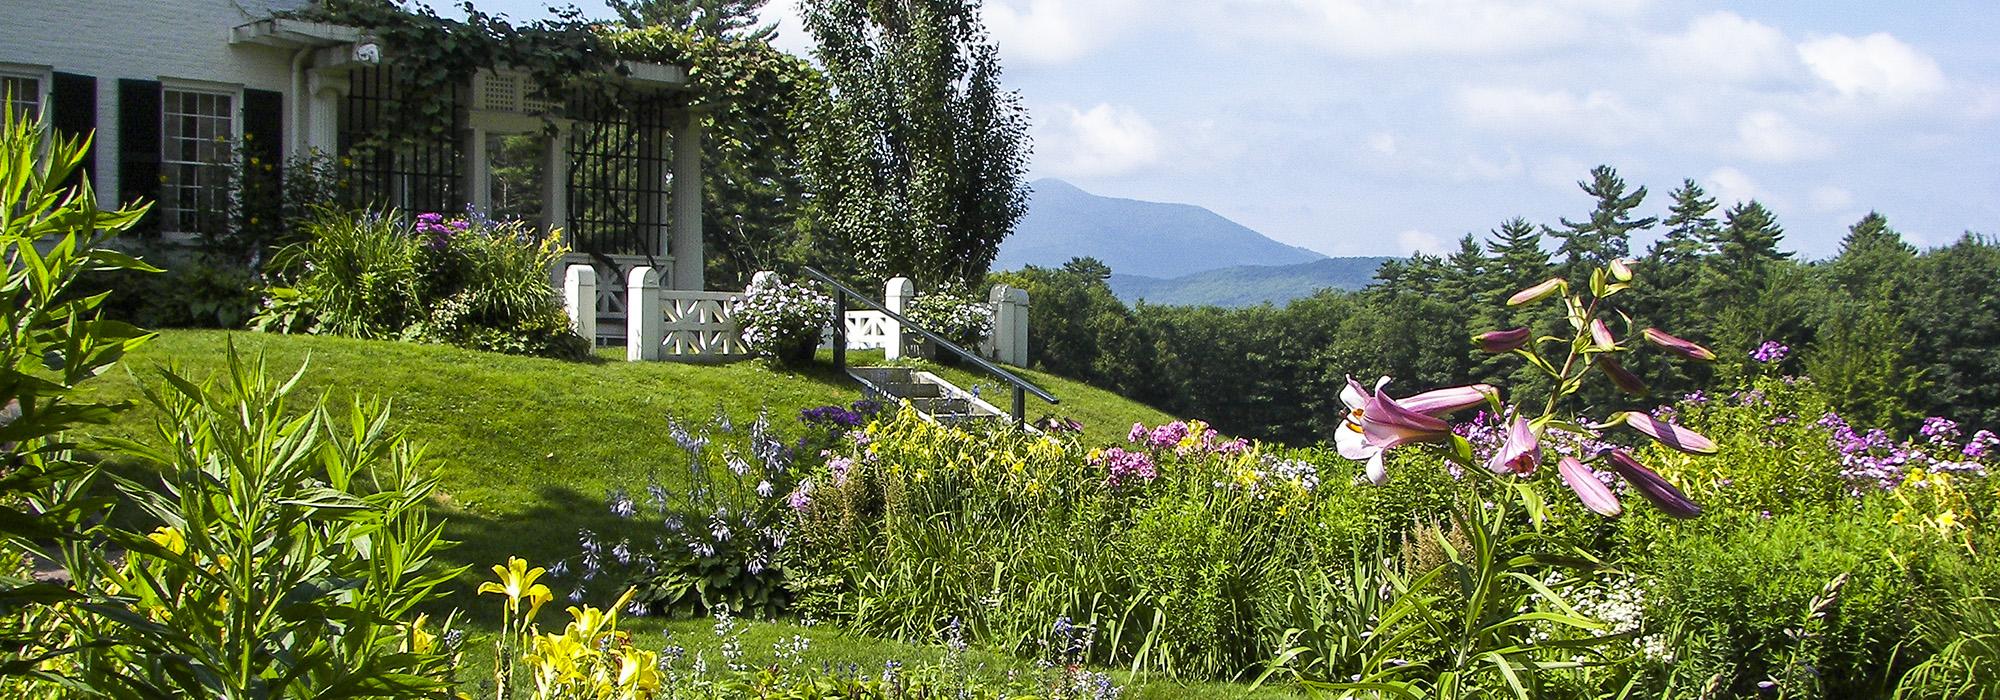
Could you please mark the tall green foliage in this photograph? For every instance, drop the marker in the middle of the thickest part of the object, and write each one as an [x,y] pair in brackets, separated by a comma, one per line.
[711,18]
[52,340]
[917,154]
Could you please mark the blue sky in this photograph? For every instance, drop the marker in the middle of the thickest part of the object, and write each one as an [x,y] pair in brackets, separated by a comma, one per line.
[1379,127]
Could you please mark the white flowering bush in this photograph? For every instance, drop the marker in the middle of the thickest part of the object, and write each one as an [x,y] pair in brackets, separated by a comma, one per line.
[782,320]
[960,318]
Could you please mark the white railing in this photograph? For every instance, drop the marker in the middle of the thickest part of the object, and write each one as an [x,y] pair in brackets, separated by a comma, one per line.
[696,326]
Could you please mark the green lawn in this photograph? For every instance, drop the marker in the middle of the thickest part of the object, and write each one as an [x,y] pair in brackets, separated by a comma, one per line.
[527,449]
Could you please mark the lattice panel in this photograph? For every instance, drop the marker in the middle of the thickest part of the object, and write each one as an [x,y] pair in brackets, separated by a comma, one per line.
[868,330]
[699,324]
[510,92]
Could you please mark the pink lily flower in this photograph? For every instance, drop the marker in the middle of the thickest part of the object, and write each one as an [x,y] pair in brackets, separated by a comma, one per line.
[1655,488]
[1678,346]
[1666,433]
[1594,494]
[1375,423]
[1509,340]
[1520,453]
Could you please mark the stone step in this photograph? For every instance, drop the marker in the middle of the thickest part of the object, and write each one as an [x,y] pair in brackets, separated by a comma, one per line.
[884,376]
[920,390]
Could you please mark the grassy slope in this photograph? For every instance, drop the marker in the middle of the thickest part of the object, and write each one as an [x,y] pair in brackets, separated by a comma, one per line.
[527,448]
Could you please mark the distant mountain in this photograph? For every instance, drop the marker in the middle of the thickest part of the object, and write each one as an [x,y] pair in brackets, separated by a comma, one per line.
[1150,239]
[1248,285]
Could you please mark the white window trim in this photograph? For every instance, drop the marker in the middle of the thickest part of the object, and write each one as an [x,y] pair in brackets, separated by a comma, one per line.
[45,81]
[234,91]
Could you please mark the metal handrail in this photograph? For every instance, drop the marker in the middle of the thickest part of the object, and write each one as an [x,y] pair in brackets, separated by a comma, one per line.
[1022,387]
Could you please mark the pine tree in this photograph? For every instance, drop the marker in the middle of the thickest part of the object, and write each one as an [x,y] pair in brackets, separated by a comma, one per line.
[1518,257]
[1690,227]
[735,19]
[1607,235]
[1748,241]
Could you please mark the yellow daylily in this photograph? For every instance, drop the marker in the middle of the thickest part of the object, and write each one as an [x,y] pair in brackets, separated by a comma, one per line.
[170,539]
[517,581]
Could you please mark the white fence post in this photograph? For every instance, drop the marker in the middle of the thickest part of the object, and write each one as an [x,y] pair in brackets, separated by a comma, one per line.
[580,300]
[642,314]
[1010,324]
[896,295]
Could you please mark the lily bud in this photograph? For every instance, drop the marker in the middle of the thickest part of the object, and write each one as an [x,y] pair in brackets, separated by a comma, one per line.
[1536,293]
[1678,346]
[1594,494]
[1654,487]
[1600,335]
[1666,433]
[1503,341]
[1621,270]
[1623,378]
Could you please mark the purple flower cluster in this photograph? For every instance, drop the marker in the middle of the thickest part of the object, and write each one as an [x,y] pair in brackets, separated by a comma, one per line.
[1771,351]
[1185,438]
[1125,466]
[841,417]
[1871,457]
[440,230]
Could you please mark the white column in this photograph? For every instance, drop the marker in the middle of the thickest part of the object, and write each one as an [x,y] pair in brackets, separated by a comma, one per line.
[555,179]
[580,300]
[896,295]
[643,319]
[322,127]
[1010,324]
[687,244]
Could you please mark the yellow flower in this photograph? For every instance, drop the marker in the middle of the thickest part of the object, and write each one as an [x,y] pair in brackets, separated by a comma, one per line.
[639,670]
[1947,520]
[421,641]
[517,581]
[169,539]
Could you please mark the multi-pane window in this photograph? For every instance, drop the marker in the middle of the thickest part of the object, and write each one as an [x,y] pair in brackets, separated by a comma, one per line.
[22,94]
[197,145]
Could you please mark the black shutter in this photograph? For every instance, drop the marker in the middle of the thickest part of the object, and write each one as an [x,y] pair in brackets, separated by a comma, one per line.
[74,114]
[263,173]
[139,145]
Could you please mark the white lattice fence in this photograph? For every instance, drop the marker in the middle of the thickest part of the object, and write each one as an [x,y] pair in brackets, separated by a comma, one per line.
[698,326]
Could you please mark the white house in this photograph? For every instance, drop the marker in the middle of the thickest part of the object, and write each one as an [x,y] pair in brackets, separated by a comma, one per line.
[170,86]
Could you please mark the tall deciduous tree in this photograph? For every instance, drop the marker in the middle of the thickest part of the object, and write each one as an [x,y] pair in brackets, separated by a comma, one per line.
[916,167]
[735,19]
[1607,234]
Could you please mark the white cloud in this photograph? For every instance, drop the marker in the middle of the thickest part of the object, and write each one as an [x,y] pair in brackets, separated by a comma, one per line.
[1056,31]
[1478,167]
[1831,199]
[1768,136]
[1724,46]
[1559,172]
[1382,142]
[1599,115]
[1414,241]
[1103,141]
[1877,66]
[1730,186]
[1384,28]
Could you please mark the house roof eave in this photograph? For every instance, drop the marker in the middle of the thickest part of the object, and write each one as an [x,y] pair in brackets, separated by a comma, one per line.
[293,33]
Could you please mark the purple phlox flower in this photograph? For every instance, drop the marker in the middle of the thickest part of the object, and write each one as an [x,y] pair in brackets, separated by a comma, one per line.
[1939,429]
[1123,467]
[1771,351]
[1233,448]
[1138,433]
[840,467]
[1167,435]
[1981,444]
[801,496]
